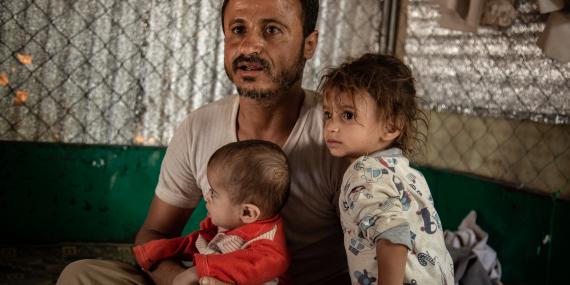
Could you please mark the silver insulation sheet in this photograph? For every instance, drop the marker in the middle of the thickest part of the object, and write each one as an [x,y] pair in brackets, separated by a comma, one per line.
[498,72]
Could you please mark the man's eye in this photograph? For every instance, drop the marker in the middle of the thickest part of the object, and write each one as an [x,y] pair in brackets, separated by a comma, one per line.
[328,115]
[272,30]
[347,115]
[238,30]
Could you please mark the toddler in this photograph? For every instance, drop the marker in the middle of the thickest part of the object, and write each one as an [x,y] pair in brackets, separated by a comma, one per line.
[242,239]
[392,232]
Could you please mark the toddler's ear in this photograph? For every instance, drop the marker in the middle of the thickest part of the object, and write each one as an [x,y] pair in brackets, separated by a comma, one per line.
[249,213]
[393,130]
[391,134]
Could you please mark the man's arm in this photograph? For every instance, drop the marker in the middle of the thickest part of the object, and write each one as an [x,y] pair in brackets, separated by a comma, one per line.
[163,221]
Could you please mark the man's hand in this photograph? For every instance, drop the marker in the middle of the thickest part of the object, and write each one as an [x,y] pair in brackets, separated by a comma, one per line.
[187,277]
[163,221]
[211,281]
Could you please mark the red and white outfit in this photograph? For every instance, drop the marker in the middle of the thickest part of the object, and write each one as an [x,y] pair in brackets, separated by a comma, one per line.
[251,254]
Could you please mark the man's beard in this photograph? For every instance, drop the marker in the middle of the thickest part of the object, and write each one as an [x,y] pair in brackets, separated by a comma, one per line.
[284,79]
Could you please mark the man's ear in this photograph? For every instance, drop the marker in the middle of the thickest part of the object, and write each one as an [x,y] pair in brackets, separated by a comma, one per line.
[310,46]
[249,213]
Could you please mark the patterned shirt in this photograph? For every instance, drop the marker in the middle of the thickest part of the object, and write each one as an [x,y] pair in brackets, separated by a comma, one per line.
[382,197]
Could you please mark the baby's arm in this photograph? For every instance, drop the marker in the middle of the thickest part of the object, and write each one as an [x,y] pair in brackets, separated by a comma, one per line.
[152,252]
[391,259]
[149,254]
[262,261]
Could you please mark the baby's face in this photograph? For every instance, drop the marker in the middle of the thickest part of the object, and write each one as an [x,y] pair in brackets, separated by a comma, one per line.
[222,210]
[352,125]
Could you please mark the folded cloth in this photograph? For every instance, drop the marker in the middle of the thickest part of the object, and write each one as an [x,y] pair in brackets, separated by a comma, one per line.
[475,262]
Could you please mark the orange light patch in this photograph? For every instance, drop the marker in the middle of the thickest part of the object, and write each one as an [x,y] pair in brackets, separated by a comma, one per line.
[24,58]
[20,98]
[4,79]
[139,139]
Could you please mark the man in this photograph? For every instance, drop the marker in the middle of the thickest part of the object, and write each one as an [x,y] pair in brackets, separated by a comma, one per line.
[267,43]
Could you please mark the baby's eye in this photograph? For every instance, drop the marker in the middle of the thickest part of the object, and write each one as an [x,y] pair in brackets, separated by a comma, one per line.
[328,115]
[211,193]
[347,115]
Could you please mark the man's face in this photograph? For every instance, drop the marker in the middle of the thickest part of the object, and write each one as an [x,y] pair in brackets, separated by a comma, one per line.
[264,47]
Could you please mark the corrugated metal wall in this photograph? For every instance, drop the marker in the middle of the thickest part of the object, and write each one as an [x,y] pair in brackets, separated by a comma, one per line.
[500,107]
[128,72]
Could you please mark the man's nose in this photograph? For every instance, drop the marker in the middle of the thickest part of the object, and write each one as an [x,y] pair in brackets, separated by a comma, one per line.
[252,43]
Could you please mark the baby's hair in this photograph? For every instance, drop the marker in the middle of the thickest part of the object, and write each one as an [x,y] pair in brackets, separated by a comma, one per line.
[254,171]
[391,84]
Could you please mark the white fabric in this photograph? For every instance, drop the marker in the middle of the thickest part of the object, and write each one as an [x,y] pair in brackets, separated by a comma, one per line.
[470,236]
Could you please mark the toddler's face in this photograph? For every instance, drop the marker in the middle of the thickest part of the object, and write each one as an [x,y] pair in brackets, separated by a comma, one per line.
[353,127]
[222,210]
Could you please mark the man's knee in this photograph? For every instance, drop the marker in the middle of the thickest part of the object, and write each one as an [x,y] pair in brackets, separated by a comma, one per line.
[95,271]
[74,272]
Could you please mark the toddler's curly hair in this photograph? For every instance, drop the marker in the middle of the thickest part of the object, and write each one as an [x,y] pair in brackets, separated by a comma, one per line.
[390,82]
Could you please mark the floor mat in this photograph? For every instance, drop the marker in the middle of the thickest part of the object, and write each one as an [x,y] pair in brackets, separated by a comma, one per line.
[41,264]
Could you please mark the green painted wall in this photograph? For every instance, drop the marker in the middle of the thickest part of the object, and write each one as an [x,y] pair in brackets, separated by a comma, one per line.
[517,223]
[55,192]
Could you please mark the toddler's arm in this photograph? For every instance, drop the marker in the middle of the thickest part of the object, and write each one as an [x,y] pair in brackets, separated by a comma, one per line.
[391,259]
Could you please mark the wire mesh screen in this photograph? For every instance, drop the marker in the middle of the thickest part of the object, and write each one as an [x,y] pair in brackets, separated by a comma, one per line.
[124,72]
[470,79]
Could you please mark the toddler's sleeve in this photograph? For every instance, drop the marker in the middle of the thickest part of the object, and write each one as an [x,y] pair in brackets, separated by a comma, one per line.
[375,194]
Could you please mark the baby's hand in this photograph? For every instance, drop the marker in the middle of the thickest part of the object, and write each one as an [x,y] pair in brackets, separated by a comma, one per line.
[187,277]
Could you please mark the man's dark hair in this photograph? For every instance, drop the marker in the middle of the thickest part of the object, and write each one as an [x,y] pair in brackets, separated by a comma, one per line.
[309,15]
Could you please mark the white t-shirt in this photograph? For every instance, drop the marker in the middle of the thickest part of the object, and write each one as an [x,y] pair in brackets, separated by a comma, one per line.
[312,227]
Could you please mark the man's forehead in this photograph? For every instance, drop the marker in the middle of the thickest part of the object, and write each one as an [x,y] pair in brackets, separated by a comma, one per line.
[262,8]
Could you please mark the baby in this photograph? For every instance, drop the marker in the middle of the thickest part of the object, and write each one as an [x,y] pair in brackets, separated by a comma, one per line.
[392,232]
[242,239]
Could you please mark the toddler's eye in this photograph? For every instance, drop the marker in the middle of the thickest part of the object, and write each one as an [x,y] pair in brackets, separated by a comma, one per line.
[347,115]
[328,115]
[211,193]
